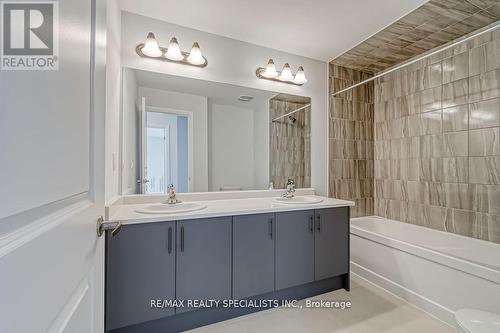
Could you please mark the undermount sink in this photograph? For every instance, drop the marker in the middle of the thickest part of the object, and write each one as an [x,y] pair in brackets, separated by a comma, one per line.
[299,200]
[181,207]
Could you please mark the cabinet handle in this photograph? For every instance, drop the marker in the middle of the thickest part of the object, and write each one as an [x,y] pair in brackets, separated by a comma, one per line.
[311,223]
[271,228]
[318,227]
[169,245]
[182,239]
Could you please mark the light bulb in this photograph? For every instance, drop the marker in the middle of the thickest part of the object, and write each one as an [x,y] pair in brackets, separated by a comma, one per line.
[174,51]
[270,71]
[151,47]
[286,73]
[195,57]
[300,77]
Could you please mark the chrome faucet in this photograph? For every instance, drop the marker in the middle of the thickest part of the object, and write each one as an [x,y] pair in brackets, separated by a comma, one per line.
[290,189]
[171,195]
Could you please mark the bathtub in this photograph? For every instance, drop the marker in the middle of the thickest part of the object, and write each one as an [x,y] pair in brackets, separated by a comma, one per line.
[436,271]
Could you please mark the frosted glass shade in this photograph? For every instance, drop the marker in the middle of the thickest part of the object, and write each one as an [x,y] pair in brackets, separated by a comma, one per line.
[286,73]
[195,56]
[174,51]
[270,71]
[151,47]
[300,76]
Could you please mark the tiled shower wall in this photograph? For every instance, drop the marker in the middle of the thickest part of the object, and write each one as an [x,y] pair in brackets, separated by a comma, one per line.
[437,141]
[351,140]
[290,142]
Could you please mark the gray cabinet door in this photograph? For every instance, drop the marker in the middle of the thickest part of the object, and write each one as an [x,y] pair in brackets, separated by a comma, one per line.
[253,255]
[294,248]
[203,259]
[140,268]
[332,242]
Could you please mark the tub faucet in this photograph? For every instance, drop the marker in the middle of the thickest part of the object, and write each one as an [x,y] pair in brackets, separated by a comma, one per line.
[171,199]
[290,189]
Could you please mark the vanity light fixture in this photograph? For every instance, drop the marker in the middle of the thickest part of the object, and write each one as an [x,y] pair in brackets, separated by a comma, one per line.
[151,49]
[286,76]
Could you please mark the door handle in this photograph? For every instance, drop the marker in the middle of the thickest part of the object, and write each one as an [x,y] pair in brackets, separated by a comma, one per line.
[311,223]
[271,228]
[102,226]
[182,239]
[318,227]
[169,245]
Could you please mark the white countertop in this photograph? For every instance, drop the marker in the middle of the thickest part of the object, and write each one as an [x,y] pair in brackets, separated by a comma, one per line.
[126,213]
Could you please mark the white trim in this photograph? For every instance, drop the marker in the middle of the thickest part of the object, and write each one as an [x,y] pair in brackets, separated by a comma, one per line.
[142,139]
[326,149]
[69,310]
[24,235]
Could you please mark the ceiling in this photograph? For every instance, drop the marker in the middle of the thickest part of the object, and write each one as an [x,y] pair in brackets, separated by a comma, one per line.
[433,24]
[218,93]
[318,29]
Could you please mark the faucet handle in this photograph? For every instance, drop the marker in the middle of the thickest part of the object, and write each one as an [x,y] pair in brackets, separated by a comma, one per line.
[171,195]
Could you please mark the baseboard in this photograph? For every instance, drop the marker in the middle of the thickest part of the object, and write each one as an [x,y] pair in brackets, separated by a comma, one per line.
[422,303]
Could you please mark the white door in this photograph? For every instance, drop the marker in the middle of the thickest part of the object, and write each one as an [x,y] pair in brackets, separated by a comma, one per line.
[52,183]
[157,159]
[182,178]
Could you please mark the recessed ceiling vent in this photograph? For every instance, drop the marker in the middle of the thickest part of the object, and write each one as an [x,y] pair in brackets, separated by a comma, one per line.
[245,98]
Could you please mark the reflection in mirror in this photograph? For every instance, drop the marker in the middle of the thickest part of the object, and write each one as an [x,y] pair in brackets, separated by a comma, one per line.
[207,136]
[290,154]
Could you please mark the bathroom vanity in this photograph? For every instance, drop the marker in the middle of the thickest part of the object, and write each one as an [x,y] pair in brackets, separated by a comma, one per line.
[228,239]
[255,248]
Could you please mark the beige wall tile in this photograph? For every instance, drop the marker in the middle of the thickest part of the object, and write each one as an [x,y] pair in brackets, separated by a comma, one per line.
[455,93]
[484,86]
[456,68]
[484,170]
[484,114]
[437,142]
[455,118]
[484,142]
[455,144]
[351,134]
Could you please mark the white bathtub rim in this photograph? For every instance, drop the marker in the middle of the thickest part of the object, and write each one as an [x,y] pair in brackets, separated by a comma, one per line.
[433,309]
[438,257]
[445,233]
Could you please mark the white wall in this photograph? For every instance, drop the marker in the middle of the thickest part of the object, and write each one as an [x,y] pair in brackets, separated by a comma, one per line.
[197,105]
[130,137]
[231,147]
[113,99]
[234,62]
[261,145]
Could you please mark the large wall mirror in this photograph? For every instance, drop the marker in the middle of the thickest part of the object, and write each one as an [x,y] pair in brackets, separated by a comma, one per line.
[206,136]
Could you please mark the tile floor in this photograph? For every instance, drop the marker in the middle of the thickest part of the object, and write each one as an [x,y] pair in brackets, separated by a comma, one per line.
[373,310]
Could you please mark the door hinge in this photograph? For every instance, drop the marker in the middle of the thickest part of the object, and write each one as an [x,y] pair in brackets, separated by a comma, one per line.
[102,226]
